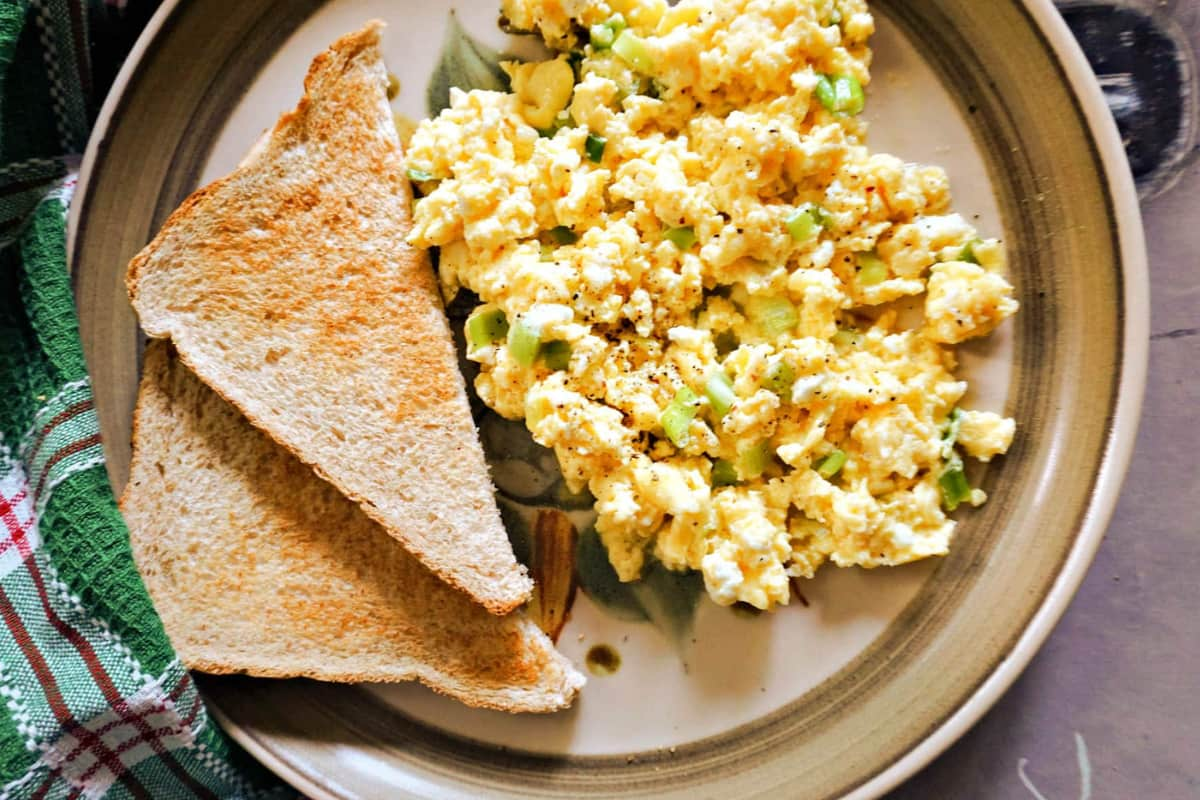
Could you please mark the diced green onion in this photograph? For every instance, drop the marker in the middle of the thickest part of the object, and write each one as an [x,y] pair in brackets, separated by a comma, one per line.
[950,432]
[724,473]
[953,483]
[850,95]
[825,92]
[575,60]
[726,342]
[561,234]
[779,378]
[487,327]
[805,222]
[846,337]
[831,464]
[871,269]
[773,315]
[678,416]
[841,94]
[536,412]
[562,119]
[968,252]
[594,147]
[524,342]
[556,355]
[683,237]
[720,394]
[418,175]
[601,36]
[632,50]
[739,294]
[752,462]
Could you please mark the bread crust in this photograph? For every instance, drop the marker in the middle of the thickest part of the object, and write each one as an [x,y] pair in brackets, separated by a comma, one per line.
[288,288]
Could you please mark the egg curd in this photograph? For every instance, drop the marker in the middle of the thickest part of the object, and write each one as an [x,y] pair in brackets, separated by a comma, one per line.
[730,320]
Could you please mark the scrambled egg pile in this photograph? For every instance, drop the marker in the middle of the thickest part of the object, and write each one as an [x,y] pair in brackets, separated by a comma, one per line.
[729,319]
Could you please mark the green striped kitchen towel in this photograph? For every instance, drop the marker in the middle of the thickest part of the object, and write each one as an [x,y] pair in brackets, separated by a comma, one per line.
[93,701]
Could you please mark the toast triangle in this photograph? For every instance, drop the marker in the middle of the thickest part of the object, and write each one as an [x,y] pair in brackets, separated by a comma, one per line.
[257,566]
[287,287]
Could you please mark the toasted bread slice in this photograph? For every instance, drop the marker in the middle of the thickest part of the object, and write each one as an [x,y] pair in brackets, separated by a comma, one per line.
[258,566]
[287,286]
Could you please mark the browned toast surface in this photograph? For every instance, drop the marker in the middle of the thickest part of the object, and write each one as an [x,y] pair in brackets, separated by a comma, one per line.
[287,287]
[258,566]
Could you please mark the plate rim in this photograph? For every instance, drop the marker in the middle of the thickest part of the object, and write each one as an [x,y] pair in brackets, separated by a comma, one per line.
[1125,421]
[1118,447]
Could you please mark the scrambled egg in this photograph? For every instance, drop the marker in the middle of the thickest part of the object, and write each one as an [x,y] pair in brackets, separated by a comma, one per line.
[729,319]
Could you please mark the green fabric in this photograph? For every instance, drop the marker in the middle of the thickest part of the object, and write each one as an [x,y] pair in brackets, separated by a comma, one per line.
[93,701]
[12,22]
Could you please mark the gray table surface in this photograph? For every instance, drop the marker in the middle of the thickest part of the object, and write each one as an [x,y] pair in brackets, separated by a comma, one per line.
[1121,672]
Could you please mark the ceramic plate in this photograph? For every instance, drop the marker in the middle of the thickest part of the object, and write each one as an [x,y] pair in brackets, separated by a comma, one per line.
[879,671]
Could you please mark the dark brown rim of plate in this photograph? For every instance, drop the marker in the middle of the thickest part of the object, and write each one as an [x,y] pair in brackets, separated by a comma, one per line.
[1071,215]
